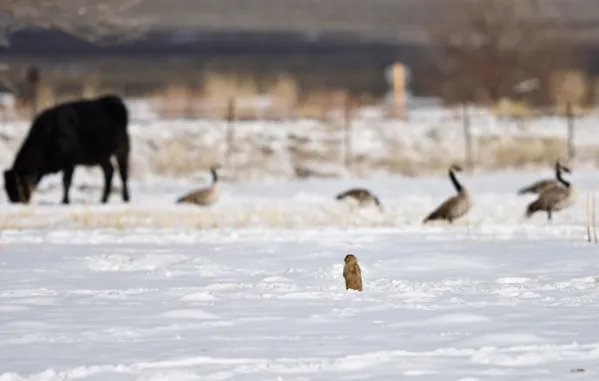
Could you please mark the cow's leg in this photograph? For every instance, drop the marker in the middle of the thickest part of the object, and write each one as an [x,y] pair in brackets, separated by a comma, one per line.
[108,170]
[67,177]
[122,159]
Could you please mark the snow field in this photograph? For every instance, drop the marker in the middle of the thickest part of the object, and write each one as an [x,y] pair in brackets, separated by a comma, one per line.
[230,292]
[252,289]
[268,305]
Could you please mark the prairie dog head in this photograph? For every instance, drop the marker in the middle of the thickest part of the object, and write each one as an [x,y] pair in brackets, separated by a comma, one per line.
[350,259]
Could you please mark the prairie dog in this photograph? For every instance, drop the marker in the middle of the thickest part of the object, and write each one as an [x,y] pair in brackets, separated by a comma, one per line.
[352,273]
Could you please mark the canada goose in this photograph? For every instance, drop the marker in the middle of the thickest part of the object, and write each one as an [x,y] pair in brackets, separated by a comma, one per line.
[553,199]
[454,207]
[362,196]
[204,196]
[541,185]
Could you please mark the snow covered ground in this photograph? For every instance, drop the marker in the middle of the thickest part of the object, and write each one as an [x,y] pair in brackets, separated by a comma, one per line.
[252,288]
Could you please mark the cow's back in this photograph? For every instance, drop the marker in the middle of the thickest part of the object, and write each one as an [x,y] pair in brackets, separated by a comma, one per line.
[80,132]
[98,129]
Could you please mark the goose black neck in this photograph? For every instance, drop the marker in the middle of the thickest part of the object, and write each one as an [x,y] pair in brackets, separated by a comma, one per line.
[377,201]
[454,181]
[561,179]
[558,170]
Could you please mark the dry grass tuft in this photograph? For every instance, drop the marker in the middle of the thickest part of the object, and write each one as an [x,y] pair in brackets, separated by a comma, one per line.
[569,87]
[211,98]
[88,219]
[24,219]
[180,157]
[285,89]
[177,100]
[508,108]
[206,218]
[330,153]
[252,157]
[268,98]
[508,152]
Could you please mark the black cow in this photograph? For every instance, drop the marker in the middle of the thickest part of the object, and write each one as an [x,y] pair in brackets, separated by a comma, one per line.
[84,132]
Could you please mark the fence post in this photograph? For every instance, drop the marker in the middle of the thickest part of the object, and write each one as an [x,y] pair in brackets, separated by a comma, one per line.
[190,103]
[91,85]
[230,130]
[399,90]
[33,77]
[348,133]
[467,137]
[570,121]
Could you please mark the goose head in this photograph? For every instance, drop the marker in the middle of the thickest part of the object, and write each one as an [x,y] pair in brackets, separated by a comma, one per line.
[560,167]
[456,168]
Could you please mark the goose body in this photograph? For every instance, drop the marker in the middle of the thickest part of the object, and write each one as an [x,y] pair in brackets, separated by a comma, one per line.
[553,199]
[541,185]
[362,196]
[456,206]
[205,196]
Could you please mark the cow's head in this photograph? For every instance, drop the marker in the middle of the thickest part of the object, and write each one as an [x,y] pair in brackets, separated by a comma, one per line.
[19,186]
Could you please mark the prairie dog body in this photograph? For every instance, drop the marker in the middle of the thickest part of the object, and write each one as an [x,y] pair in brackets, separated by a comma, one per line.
[352,273]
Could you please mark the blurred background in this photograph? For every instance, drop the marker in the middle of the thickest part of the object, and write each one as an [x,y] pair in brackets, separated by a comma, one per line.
[316,88]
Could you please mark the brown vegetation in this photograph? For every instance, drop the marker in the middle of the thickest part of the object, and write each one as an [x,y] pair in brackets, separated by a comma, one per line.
[274,98]
[92,21]
[496,45]
[569,89]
